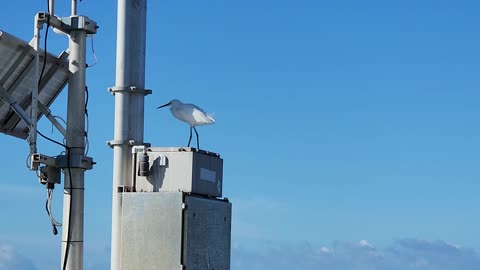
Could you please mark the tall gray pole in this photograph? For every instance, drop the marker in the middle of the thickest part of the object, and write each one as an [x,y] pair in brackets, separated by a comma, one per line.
[129,106]
[74,186]
[72,232]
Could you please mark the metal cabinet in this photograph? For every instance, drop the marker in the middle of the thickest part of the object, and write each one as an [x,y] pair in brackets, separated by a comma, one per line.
[174,230]
[180,169]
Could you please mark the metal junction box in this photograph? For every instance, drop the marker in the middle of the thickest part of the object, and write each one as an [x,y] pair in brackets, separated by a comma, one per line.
[175,231]
[179,169]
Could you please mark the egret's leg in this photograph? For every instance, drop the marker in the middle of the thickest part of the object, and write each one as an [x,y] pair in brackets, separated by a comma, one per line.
[196,133]
[190,138]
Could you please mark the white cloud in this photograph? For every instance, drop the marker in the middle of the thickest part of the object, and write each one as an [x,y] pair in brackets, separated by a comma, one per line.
[405,254]
[12,260]
[365,243]
[325,250]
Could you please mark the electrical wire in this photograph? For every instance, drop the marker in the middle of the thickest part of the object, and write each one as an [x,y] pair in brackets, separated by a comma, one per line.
[67,248]
[48,205]
[51,140]
[87,142]
[87,124]
[44,52]
[86,100]
[27,163]
[93,52]
[59,117]
[48,208]
[70,199]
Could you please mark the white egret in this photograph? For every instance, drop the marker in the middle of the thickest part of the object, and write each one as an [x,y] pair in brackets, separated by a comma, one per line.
[191,114]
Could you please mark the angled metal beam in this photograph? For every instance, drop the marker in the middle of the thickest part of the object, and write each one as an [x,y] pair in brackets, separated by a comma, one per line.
[14,105]
[52,118]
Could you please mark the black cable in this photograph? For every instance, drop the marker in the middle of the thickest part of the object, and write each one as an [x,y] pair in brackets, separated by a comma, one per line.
[86,100]
[70,208]
[50,187]
[87,143]
[45,51]
[67,248]
[94,54]
[51,140]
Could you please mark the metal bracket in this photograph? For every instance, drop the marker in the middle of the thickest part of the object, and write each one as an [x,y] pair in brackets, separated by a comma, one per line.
[79,23]
[140,148]
[68,24]
[38,159]
[122,189]
[129,89]
[113,143]
[80,162]
[48,174]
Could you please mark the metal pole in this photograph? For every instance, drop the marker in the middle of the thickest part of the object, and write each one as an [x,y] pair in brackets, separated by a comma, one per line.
[129,107]
[32,137]
[51,7]
[74,7]
[72,232]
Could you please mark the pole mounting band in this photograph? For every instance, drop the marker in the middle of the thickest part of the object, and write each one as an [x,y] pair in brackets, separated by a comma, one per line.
[129,89]
[113,143]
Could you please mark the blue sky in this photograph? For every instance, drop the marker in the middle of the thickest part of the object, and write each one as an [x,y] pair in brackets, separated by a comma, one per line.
[349,129]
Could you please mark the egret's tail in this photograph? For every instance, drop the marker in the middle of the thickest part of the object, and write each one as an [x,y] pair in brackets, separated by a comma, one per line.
[200,118]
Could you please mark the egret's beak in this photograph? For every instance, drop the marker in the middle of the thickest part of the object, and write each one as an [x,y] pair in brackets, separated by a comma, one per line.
[169,103]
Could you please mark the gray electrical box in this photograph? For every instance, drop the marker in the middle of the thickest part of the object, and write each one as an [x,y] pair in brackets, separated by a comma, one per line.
[172,230]
[179,169]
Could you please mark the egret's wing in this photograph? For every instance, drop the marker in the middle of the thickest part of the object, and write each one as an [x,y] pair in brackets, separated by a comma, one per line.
[201,117]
